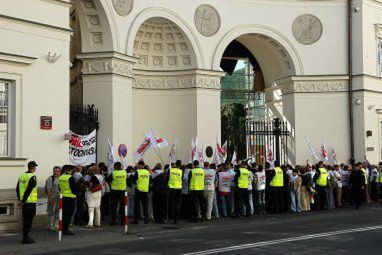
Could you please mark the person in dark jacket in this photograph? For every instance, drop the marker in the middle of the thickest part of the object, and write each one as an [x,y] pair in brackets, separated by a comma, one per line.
[357,185]
[26,191]
[159,189]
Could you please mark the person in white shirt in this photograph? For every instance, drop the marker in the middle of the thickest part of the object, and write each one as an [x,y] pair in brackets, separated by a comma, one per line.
[224,189]
[337,192]
[250,190]
[209,188]
[260,181]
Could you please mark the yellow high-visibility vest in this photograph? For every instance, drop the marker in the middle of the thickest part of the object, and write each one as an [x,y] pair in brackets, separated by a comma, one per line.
[175,178]
[323,178]
[23,184]
[364,174]
[278,179]
[197,179]
[64,185]
[143,180]
[243,180]
[119,180]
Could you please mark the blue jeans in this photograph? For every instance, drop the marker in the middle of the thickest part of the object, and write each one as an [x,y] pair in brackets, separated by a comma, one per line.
[215,209]
[250,202]
[225,203]
[295,201]
[261,201]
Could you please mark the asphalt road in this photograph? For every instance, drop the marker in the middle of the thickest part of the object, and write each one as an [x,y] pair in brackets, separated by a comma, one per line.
[342,231]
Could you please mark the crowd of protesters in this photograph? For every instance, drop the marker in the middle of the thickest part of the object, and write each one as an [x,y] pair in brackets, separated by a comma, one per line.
[195,192]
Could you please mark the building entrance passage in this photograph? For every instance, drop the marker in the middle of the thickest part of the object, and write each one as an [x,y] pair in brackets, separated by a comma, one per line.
[267,140]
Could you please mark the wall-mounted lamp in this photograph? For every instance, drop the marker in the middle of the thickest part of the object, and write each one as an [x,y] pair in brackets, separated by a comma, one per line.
[358,101]
[369,133]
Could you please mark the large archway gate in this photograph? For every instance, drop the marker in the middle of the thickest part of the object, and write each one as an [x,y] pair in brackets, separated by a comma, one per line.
[158,67]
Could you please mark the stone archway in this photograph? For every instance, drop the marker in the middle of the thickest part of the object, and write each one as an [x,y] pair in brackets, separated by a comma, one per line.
[169,85]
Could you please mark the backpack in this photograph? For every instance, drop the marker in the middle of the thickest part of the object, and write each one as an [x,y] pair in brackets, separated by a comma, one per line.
[46,188]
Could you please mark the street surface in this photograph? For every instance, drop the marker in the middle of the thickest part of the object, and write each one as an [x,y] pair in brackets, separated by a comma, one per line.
[341,231]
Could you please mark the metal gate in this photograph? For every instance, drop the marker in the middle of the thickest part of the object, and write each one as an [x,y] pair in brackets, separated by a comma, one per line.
[83,119]
[268,139]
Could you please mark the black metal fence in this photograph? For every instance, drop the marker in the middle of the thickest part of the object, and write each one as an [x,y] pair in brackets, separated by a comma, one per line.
[268,139]
[83,119]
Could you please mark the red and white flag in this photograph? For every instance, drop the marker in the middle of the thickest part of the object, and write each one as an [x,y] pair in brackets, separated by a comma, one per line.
[334,155]
[270,158]
[324,152]
[221,152]
[200,154]
[194,150]
[145,146]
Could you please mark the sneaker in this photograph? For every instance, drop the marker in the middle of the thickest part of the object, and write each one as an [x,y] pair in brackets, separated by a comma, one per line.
[68,233]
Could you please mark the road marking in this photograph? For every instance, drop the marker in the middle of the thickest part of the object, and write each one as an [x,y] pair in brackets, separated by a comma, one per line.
[285,240]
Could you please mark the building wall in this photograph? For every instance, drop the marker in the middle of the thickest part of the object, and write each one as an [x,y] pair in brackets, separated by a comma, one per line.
[39,89]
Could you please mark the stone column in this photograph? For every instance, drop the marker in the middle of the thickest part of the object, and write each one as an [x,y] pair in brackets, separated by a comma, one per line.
[316,107]
[177,103]
[107,83]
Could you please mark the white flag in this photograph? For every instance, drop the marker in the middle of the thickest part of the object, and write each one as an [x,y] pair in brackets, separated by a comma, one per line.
[334,155]
[200,154]
[312,151]
[110,158]
[234,159]
[324,152]
[173,152]
[145,145]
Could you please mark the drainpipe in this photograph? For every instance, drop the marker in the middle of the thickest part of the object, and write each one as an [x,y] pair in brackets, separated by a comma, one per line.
[350,71]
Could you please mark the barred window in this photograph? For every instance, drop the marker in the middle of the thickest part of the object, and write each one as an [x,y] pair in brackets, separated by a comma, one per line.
[4,118]
[379,57]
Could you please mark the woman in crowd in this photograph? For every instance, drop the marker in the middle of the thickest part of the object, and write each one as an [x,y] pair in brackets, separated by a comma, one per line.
[94,195]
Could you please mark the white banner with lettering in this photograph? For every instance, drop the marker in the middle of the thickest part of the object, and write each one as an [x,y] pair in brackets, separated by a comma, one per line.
[82,149]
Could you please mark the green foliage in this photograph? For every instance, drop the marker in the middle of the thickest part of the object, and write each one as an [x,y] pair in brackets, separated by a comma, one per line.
[233,119]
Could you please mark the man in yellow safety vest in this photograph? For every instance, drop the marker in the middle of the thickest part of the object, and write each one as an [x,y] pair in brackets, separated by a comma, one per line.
[68,189]
[276,187]
[321,180]
[196,184]
[241,181]
[141,180]
[27,194]
[118,185]
[175,178]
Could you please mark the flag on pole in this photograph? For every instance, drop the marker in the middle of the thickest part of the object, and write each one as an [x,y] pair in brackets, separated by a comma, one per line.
[194,155]
[221,151]
[145,145]
[269,157]
[324,152]
[173,152]
[234,159]
[334,155]
[161,142]
[312,151]
[200,154]
[110,158]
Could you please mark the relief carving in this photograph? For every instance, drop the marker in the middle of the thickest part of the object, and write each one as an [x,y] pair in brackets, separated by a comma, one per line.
[207,20]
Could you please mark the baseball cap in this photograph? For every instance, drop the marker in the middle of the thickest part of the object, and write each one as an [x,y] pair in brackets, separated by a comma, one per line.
[32,164]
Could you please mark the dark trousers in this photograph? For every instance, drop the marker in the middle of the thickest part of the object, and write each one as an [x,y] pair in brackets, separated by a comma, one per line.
[141,198]
[29,211]
[242,198]
[175,199]
[159,206]
[198,202]
[79,217]
[345,199]
[321,197]
[185,206]
[68,205]
[117,198]
[277,199]
[358,196]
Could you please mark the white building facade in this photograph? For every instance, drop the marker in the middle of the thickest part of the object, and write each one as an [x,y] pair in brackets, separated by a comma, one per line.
[156,64]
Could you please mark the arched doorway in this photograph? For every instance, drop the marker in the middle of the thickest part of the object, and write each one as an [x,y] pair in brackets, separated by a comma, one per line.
[248,91]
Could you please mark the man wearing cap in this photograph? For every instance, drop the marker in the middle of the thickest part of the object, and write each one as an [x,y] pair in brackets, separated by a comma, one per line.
[241,192]
[196,182]
[175,179]
[68,188]
[118,185]
[27,194]
[141,180]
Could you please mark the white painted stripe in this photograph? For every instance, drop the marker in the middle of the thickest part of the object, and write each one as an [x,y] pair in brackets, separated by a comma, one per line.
[285,240]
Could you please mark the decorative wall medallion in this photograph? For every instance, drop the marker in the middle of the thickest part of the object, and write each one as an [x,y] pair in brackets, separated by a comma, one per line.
[123,7]
[207,20]
[307,29]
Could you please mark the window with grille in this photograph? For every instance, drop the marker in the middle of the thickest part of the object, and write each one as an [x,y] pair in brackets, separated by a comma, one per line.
[4,119]
[379,57]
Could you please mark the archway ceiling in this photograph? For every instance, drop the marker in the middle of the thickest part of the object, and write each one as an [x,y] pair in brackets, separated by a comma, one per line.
[234,51]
